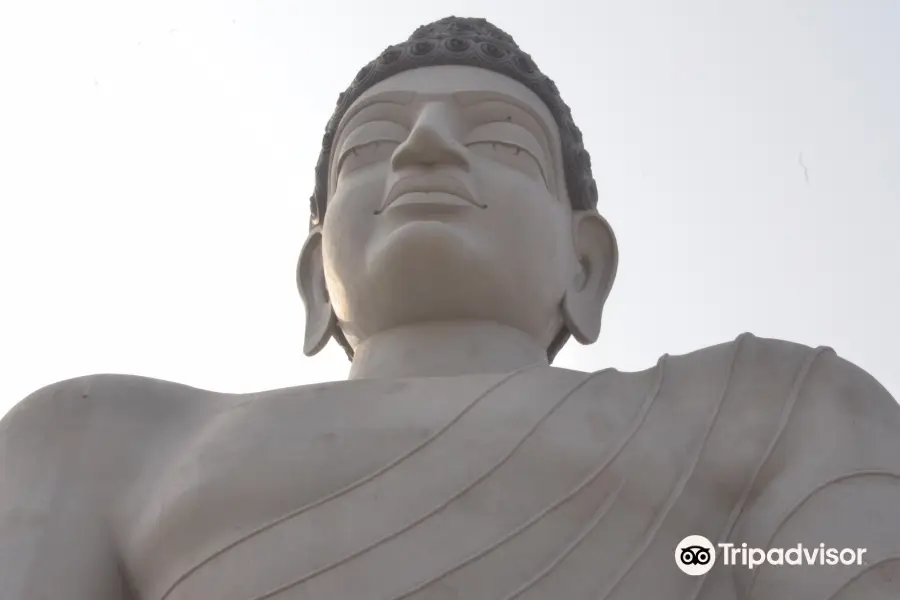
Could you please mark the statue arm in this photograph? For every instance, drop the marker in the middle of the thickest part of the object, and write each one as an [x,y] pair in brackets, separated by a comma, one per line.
[54,542]
[833,478]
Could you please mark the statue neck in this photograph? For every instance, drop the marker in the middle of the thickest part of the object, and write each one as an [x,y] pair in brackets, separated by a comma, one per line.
[445,349]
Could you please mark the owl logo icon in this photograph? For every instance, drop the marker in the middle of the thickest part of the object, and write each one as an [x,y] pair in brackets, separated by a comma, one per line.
[695,555]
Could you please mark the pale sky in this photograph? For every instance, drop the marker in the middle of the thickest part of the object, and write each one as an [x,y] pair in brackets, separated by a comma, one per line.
[156,164]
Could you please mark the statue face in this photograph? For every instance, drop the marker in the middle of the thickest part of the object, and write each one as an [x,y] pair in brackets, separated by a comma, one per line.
[446,202]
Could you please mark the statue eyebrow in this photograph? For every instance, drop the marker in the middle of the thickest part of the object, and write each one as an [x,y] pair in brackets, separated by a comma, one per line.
[472,99]
[395,97]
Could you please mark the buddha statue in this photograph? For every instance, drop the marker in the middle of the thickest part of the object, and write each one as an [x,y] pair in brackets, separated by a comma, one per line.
[455,245]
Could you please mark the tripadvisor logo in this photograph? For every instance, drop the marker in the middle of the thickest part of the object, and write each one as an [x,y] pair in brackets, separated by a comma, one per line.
[696,555]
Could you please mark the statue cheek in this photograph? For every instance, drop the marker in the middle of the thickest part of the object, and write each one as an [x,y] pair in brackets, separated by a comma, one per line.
[501,185]
[361,189]
[352,206]
[345,236]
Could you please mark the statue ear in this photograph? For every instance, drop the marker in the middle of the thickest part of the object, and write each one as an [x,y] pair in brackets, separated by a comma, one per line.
[598,255]
[320,318]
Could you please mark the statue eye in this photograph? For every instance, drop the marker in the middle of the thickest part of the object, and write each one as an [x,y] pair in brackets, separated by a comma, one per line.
[511,155]
[369,144]
[367,154]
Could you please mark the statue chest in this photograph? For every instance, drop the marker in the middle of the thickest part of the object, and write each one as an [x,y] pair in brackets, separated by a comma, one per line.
[545,484]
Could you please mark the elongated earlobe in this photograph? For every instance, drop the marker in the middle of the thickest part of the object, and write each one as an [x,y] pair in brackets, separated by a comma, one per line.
[321,322]
[598,256]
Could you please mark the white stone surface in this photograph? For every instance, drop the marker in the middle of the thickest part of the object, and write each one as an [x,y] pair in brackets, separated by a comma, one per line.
[455,462]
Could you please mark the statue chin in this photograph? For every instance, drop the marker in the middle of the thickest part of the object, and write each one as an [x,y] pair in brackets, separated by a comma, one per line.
[425,250]
[432,270]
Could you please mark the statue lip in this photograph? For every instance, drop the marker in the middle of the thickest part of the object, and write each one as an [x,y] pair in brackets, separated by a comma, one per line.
[440,182]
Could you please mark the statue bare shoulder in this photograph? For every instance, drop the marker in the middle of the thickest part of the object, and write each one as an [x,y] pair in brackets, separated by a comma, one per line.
[100,423]
[67,452]
[100,431]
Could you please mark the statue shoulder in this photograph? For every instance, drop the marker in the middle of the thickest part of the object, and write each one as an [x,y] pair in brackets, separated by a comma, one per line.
[91,398]
[778,376]
[106,421]
[831,471]
[766,358]
[823,377]
[747,351]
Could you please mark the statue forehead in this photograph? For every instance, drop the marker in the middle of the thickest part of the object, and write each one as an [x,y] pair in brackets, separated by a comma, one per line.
[463,84]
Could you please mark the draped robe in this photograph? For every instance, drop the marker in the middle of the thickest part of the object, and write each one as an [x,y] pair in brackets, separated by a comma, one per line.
[544,483]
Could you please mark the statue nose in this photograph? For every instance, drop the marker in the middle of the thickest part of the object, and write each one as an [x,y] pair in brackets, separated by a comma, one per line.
[431,142]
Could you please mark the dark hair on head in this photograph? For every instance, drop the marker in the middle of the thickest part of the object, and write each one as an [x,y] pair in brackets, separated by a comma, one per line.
[467,42]
[470,42]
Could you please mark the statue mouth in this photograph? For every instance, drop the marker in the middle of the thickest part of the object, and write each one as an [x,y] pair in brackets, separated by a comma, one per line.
[438,189]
